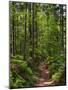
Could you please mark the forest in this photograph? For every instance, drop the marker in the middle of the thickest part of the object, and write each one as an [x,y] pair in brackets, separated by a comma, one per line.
[37,44]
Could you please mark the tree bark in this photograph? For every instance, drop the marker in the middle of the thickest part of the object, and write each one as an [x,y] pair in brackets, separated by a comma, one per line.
[25,30]
[13,31]
[33,31]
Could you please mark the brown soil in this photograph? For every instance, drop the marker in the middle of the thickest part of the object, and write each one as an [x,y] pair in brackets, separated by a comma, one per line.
[43,79]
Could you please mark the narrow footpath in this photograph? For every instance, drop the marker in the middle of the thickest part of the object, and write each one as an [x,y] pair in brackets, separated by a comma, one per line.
[44,77]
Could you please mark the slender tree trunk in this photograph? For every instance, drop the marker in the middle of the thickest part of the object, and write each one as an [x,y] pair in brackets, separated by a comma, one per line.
[17,33]
[64,30]
[36,28]
[25,28]
[13,31]
[30,27]
[61,26]
[29,20]
[33,31]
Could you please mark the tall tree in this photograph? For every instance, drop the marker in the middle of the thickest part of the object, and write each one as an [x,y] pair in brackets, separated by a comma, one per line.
[13,27]
[62,25]
[25,30]
[33,30]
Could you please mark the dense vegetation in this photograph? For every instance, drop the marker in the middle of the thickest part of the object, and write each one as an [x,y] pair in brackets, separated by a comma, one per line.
[37,34]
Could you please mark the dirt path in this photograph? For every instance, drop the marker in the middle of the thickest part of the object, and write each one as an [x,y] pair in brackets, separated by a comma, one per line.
[44,76]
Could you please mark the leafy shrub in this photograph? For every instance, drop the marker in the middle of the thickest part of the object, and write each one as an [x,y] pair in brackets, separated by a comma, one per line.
[59,76]
[21,74]
[56,76]
[55,63]
[17,57]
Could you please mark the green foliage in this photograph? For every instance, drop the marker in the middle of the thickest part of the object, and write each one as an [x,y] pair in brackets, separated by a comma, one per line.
[56,77]
[55,63]
[36,35]
[59,75]
[21,74]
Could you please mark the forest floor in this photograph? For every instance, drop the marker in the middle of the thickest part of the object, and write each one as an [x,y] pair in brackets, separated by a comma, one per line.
[43,79]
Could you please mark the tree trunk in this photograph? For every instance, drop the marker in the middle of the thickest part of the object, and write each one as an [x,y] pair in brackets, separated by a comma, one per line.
[61,26]
[33,31]
[25,28]
[13,31]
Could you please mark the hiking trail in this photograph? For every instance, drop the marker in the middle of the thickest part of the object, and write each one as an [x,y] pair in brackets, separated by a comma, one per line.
[43,79]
